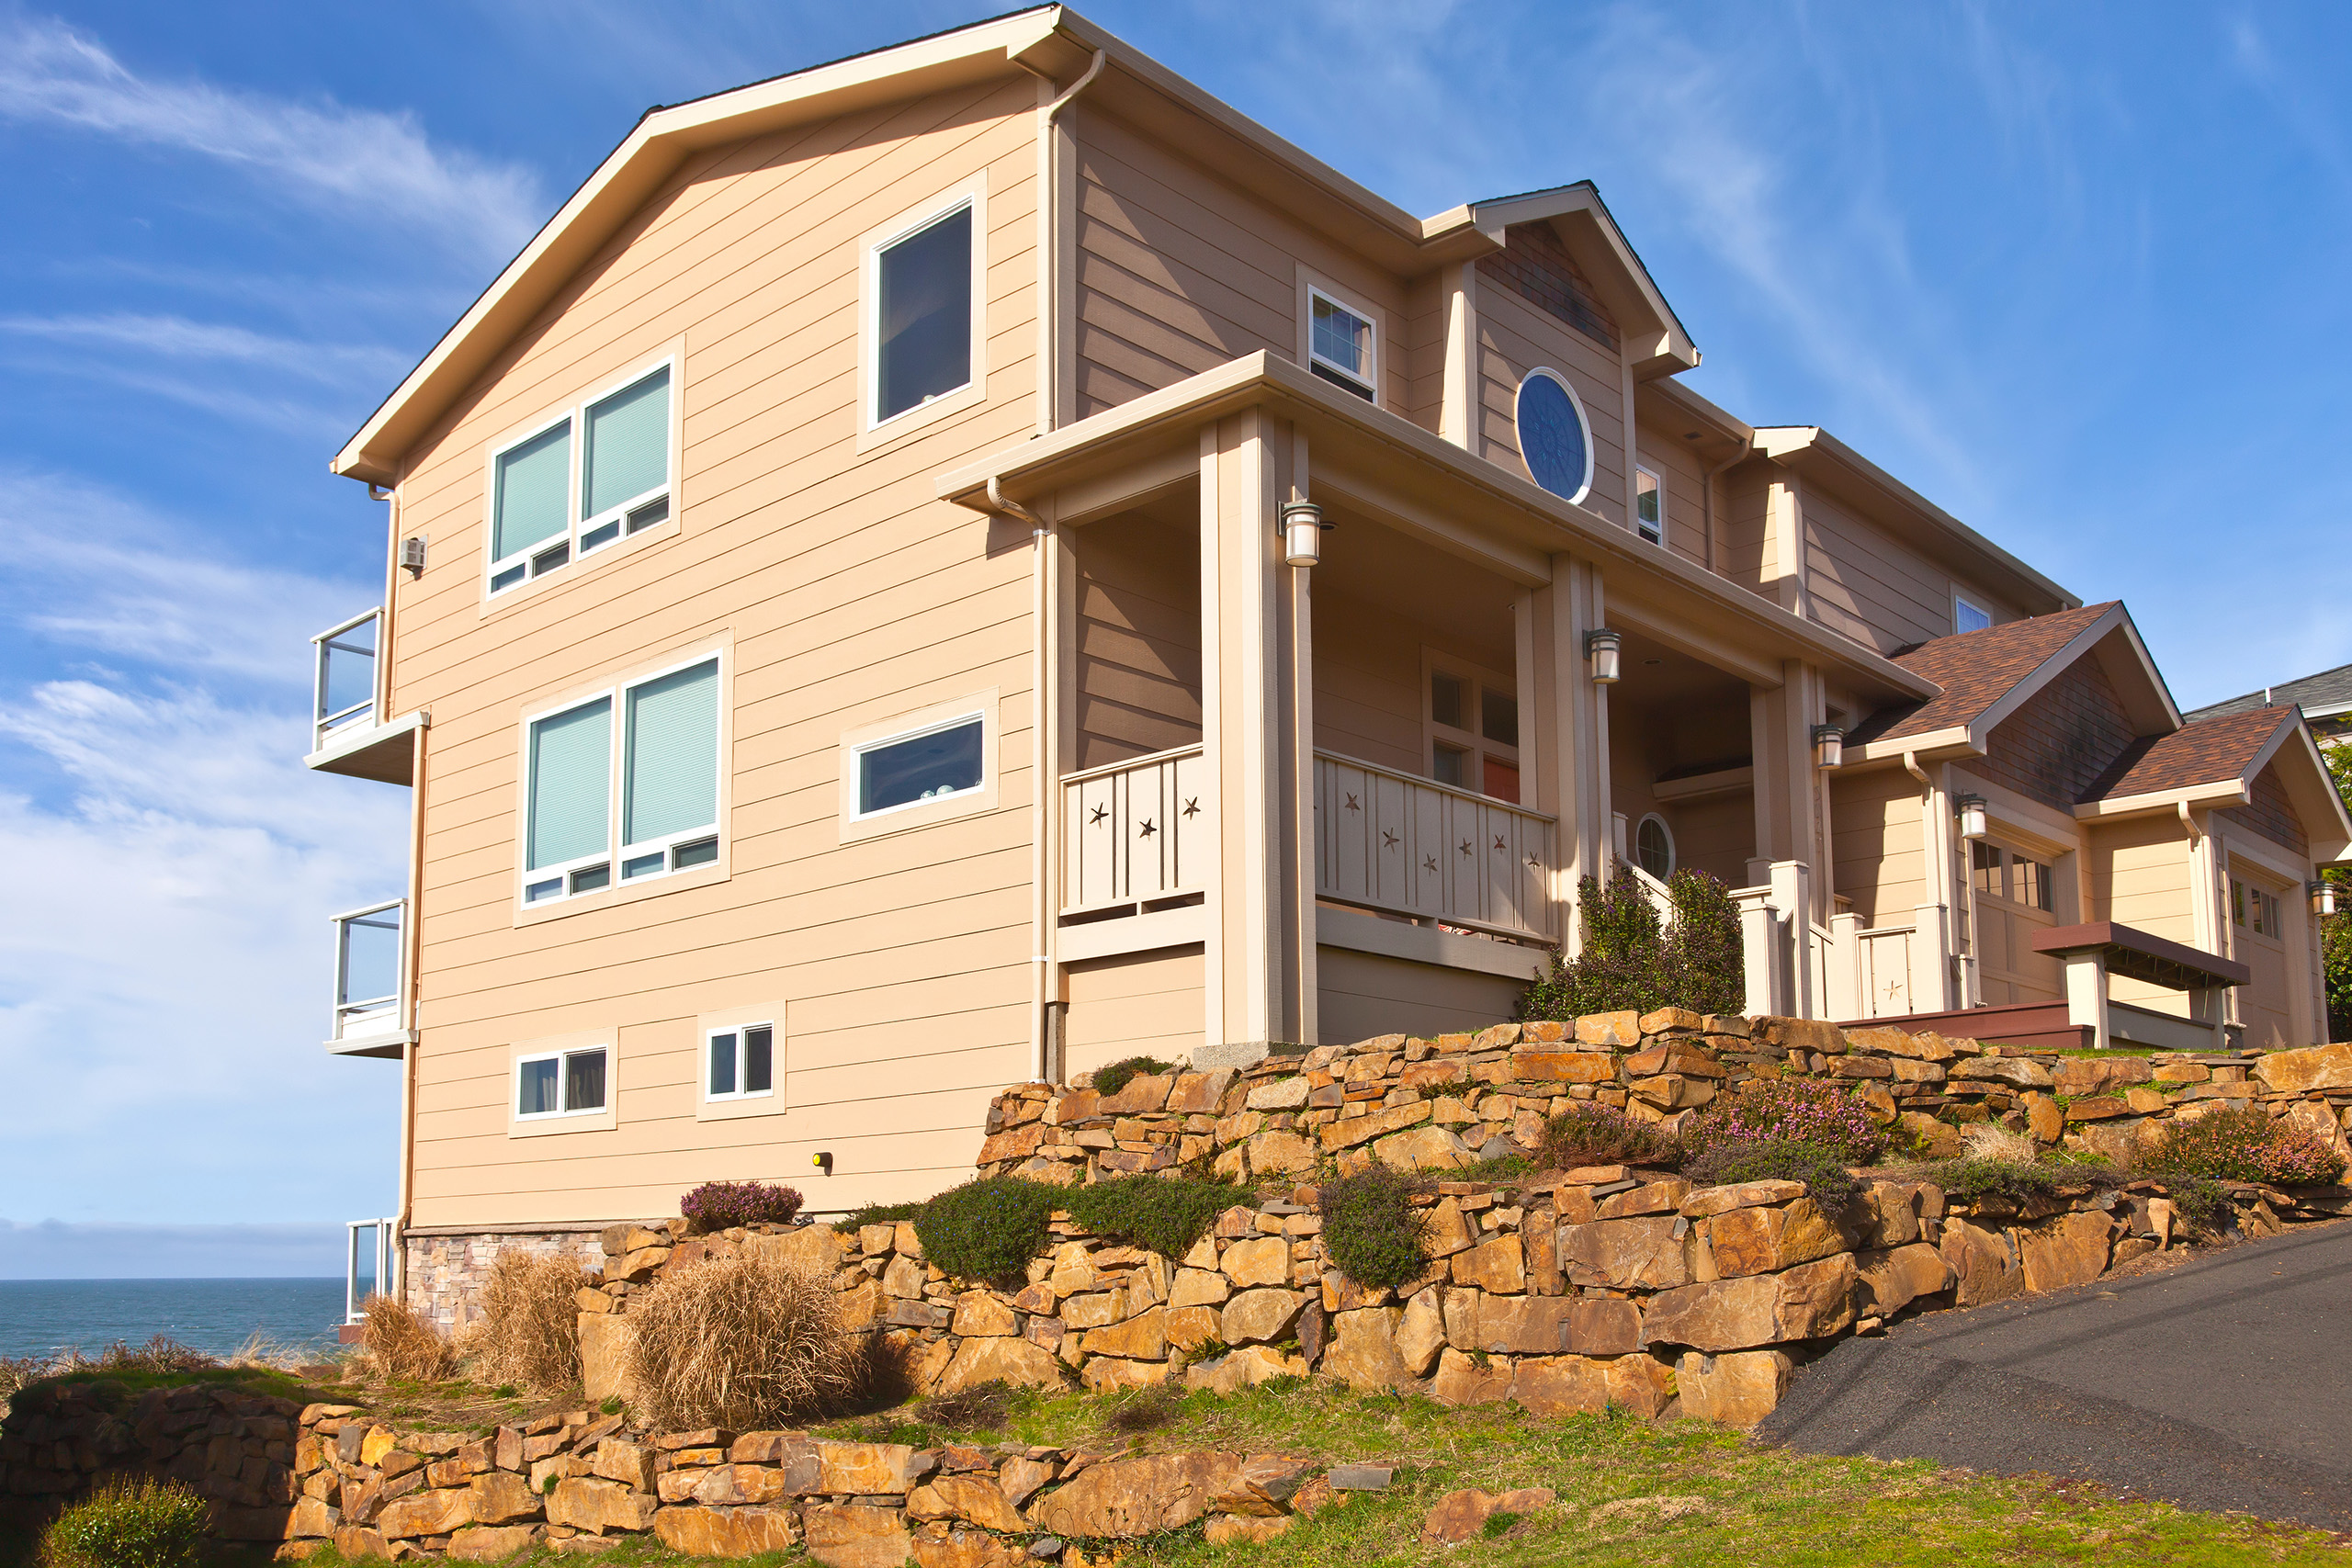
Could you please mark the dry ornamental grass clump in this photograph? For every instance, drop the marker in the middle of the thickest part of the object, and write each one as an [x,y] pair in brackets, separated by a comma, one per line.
[529,1330]
[743,1342]
[400,1345]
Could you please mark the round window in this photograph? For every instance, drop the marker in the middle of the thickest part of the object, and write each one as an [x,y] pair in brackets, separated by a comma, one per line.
[1654,847]
[1552,436]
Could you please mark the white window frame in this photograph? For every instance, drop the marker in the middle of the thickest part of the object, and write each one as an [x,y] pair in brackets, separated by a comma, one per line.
[1673,849]
[710,1037]
[1960,602]
[973,194]
[774,1015]
[577,528]
[856,743]
[615,854]
[1471,739]
[1658,486]
[561,1056]
[1369,379]
[1583,424]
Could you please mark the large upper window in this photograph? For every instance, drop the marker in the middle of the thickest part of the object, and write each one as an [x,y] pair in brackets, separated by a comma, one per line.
[921,288]
[1553,438]
[662,760]
[1340,346]
[1650,506]
[597,474]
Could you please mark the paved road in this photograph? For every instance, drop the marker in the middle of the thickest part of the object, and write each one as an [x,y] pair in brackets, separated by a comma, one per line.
[2225,1383]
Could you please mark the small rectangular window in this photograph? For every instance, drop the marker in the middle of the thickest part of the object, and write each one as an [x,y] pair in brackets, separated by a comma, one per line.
[741,1062]
[1499,716]
[922,303]
[561,1083]
[1985,859]
[1650,506]
[1445,700]
[1340,345]
[1451,765]
[2033,884]
[1967,617]
[934,765]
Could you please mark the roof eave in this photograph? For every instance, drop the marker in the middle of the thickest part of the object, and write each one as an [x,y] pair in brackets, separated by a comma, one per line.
[1656,341]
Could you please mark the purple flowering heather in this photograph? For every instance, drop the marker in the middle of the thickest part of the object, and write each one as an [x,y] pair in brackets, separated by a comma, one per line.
[716,1206]
[1789,1110]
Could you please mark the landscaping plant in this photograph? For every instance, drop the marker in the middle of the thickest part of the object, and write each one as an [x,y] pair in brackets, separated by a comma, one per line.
[1789,1110]
[130,1523]
[529,1330]
[401,1346]
[740,1342]
[989,1229]
[1167,1215]
[1370,1228]
[2243,1142]
[1631,962]
[1589,1133]
[718,1206]
[1118,1075]
[1820,1166]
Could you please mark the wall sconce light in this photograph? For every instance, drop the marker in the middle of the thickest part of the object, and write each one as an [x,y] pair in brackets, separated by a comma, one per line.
[1829,745]
[1602,648]
[1971,815]
[2323,895]
[1303,530]
[823,1162]
[412,555]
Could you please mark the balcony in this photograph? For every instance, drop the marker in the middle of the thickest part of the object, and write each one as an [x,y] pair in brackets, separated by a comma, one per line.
[349,733]
[370,1016]
[1387,841]
[1136,839]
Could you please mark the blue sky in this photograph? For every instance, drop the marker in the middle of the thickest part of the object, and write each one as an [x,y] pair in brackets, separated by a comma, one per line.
[2073,272]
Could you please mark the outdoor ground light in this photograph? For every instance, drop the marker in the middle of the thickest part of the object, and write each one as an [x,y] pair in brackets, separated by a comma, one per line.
[1602,648]
[1829,745]
[1972,816]
[2323,897]
[1303,530]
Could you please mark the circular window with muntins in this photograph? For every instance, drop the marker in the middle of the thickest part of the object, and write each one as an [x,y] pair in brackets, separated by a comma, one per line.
[1552,436]
[1654,847]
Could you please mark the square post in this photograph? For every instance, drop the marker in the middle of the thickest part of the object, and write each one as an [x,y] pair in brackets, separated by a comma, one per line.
[2085,978]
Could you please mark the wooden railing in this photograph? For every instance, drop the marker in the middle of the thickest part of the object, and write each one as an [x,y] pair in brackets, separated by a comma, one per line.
[1388,840]
[1136,831]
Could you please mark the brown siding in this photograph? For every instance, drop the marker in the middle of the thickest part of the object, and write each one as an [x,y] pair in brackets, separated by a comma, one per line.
[1534,266]
[1862,582]
[1139,1004]
[2061,740]
[2271,813]
[1515,337]
[1138,639]
[1665,454]
[1360,995]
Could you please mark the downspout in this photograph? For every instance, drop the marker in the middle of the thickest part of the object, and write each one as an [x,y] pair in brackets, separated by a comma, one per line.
[1041,961]
[1049,322]
[1707,505]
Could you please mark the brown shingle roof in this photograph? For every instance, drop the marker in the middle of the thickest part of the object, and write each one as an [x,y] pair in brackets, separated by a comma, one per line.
[2210,750]
[1975,670]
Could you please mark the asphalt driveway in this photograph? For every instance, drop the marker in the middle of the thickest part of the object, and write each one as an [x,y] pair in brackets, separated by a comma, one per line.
[2225,1383]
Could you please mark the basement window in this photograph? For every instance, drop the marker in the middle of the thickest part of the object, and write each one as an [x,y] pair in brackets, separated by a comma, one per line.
[559,1083]
[740,1063]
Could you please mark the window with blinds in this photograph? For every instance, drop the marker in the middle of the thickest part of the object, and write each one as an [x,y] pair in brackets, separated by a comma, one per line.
[662,759]
[620,468]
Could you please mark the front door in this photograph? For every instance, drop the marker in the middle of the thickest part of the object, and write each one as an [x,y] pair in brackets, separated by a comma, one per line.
[2258,937]
[2014,898]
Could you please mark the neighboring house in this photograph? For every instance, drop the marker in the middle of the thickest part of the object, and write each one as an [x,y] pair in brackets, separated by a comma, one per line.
[847,637]
[2325,699]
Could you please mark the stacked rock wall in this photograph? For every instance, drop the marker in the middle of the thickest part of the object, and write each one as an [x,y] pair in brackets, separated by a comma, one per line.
[236,1448]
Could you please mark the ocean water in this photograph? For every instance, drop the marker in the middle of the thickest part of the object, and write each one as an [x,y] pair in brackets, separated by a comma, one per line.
[41,1317]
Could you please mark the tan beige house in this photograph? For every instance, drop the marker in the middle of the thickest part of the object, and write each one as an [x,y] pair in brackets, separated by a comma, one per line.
[978,559]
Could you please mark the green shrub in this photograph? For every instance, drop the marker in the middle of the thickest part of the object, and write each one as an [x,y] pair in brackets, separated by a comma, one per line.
[1789,1110]
[880,1214]
[1820,1166]
[1116,1077]
[1976,1176]
[1370,1228]
[988,1230]
[1629,962]
[2200,1200]
[2243,1142]
[1166,1214]
[1706,963]
[143,1523]
[1589,1133]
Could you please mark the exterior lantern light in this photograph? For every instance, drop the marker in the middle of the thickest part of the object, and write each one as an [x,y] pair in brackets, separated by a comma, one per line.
[1601,647]
[2323,893]
[1303,530]
[1972,816]
[1829,745]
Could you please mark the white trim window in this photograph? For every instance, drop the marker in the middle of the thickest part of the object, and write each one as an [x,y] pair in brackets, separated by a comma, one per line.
[1650,506]
[739,1062]
[659,762]
[940,762]
[1342,344]
[925,278]
[1555,436]
[1654,846]
[549,1084]
[593,475]
[1967,617]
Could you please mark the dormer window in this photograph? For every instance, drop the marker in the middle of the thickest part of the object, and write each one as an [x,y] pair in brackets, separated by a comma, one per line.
[1967,617]
[1340,345]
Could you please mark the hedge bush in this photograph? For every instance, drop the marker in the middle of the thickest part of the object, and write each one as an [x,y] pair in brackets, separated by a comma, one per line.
[1819,1166]
[1166,1214]
[1119,1074]
[142,1523]
[2243,1142]
[717,1205]
[988,1229]
[1370,1228]
[1789,1110]
[1589,1133]
[1629,962]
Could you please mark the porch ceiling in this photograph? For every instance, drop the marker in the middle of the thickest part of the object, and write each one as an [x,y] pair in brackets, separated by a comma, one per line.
[1393,472]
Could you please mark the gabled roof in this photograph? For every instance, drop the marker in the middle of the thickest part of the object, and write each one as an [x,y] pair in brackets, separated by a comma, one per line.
[2325,695]
[1987,675]
[2230,750]
[1056,44]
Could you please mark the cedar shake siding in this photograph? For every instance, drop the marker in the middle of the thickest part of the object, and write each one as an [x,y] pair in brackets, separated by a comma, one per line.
[2057,745]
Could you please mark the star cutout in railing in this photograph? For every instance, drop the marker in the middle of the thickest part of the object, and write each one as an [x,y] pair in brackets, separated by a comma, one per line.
[1466,846]
[1352,804]
[1146,831]
[1193,807]
[1388,840]
[1100,813]
[1499,841]
[1429,863]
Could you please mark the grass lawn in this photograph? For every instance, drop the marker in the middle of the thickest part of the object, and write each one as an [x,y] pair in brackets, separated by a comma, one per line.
[1712,1498]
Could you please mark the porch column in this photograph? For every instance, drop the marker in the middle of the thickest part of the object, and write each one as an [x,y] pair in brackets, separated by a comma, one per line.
[1789,814]
[1563,737]
[2086,974]
[1255,975]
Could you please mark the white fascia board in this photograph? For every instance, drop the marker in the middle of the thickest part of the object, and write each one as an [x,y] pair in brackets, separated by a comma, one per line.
[2202,798]
[1931,746]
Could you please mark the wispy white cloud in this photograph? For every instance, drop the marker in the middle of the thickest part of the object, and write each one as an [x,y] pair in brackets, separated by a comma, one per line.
[177,337]
[354,160]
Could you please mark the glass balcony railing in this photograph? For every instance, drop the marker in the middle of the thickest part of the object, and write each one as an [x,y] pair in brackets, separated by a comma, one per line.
[344,679]
[370,976]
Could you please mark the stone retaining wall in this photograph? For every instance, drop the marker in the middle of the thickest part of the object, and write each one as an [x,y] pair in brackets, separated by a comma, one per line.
[444,1270]
[235,1448]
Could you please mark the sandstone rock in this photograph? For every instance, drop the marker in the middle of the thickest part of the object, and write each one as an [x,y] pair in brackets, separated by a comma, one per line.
[1019,1479]
[727,1532]
[1245,1368]
[627,1462]
[426,1513]
[1198,1287]
[1143,1336]
[361,1544]
[1447,1232]
[1282,1094]
[1636,1254]
[1896,1042]
[2097,1075]
[1765,1241]
[1425,1147]
[1937,1140]
[2021,1071]
[1282,1154]
[1096,1309]
[1137,1496]
[606,1344]
[1109,1374]
[982,1313]
[311,1517]
[1462,1381]
[1539,1326]
[1623,1029]
[871,1470]
[1886,1213]
[1199,1093]
[2069,1250]
[2045,1120]
[972,1498]
[1706,1200]
[1264,1260]
[1015,1361]
[1348,1133]
[846,1535]
[904,1280]
[1255,1316]
[1458,1516]
[1497,1264]
[1364,1353]
[491,1543]
[1421,1333]
[1984,1267]
[501,1497]
[1562,1066]
[1226,1529]
[1189,1328]
[2300,1072]
[1734,1390]
[1808,1302]
[2097,1108]
[598,1506]
[1887,1280]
